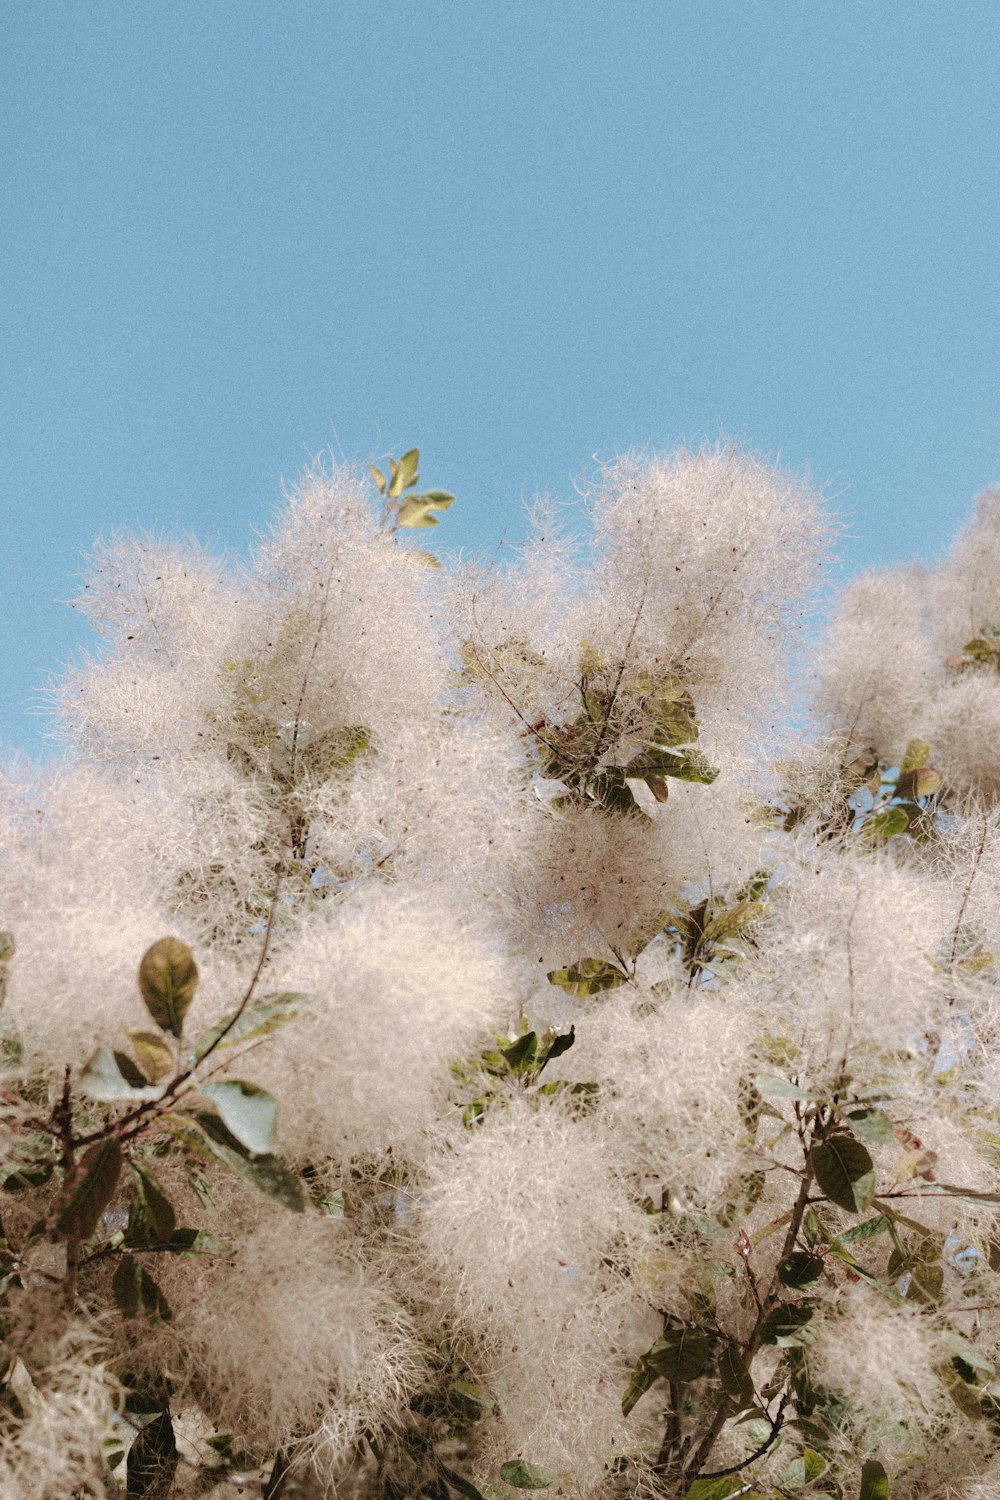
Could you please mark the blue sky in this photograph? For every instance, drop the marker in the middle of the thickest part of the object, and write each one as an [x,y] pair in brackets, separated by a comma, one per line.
[515,232]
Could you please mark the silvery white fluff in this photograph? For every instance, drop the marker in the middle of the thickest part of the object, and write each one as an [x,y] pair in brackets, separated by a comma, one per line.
[337,724]
[398,984]
[309,1344]
[530,1279]
[67,1393]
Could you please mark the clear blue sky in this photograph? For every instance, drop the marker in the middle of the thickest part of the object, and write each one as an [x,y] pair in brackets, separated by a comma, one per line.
[514,232]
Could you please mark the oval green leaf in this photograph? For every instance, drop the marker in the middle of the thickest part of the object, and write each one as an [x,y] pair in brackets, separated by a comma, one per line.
[523,1476]
[248,1112]
[155,1058]
[641,1379]
[784,1325]
[97,1177]
[735,1378]
[269,1174]
[168,978]
[152,1461]
[151,1219]
[890,821]
[103,1077]
[800,1269]
[845,1172]
[681,1354]
[870,1124]
[874,1481]
[587,977]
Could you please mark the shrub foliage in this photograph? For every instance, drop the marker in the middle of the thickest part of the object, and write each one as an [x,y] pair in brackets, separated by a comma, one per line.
[457,1043]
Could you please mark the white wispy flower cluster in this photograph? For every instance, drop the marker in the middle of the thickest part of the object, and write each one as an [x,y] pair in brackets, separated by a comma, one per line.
[621,1063]
[894,664]
[528,1229]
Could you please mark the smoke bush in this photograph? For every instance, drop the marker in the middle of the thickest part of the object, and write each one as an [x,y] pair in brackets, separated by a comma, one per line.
[456,1042]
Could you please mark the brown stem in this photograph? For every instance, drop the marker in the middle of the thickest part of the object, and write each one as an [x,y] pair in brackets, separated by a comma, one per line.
[694,1469]
[62,1119]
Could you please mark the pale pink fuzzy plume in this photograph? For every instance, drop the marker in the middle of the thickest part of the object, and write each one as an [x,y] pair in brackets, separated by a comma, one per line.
[83,896]
[724,552]
[294,1340]
[341,620]
[847,958]
[966,597]
[437,797]
[587,880]
[884,1358]
[398,984]
[167,614]
[67,1398]
[962,723]
[877,665]
[668,1101]
[523,1225]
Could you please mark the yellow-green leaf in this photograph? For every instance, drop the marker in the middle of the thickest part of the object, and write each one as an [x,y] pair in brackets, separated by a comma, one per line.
[155,1058]
[587,977]
[168,978]
[404,474]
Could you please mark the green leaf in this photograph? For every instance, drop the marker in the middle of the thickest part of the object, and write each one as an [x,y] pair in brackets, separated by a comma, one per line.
[523,1476]
[680,1355]
[268,1174]
[587,977]
[736,1380]
[922,782]
[378,477]
[968,1398]
[259,1017]
[168,978]
[152,1461]
[333,751]
[845,1172]
[800,1269]
[418,510]
[155,1057]
[916,754]
[28,1163]
[804,1469]
[521,1054]
[926,1283]
[102,1078]
[981,649]
[134,1290]
[151,1219]
[94,1186]
[404,474]
[248,1112]
[870,1124]
[888,822]
[874,1481]
[869,1230]
[721,1489]
[560,1044]
[779,1088]
[684,764]
[968,1351]
[641,1379]
[784,1325]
